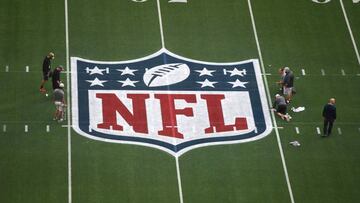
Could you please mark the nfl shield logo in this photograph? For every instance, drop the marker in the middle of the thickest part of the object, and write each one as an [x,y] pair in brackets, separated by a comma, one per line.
[169,102]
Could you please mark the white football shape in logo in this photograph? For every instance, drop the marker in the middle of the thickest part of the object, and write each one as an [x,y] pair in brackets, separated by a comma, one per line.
[166,74]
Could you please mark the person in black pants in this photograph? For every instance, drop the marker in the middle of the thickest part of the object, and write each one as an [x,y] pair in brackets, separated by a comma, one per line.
[56,77]
[46,69]
[329,114]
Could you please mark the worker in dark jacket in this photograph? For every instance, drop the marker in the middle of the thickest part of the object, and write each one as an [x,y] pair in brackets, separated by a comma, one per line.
[46,70]
[329,114]
[56,77]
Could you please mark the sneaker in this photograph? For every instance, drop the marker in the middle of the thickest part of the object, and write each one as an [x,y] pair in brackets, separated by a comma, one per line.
[60,120]
[287,118]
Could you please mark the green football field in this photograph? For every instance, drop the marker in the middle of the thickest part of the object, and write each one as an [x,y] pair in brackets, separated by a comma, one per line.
[42,160]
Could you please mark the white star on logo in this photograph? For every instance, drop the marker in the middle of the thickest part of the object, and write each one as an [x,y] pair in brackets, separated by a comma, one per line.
[238,83]
[96,81]
[205,71]
[127,71]
[207,83]
[95,70]
[237,72]
[127,82]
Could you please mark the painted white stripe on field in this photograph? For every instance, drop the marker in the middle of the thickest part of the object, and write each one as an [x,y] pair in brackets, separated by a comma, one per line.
[27,69]
[266,74]
[358,74]
[322,72]
[47,128]
[339,131]
[161,26]
[269,102]
[318,130]
[350,31]
[26,128]
[343,72]
[4,128]
[303,72]
[68,100]
[297,130]
[6,68]
[359,130]
[179,178]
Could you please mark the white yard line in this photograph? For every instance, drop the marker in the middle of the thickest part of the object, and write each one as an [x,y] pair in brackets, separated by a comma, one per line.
[68,100]
[322,72]
[297,130]
[27,69]
[161,26]
[350,31]
[343,72]
[47,128]
[176,157]
[318,130]
[269,100]
[303,72]
[179,179]
[26,128]
[4,128]
[7,68]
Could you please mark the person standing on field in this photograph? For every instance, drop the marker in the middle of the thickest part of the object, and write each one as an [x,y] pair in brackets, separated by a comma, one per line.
[56,77]
[46,69]
[288,84]
[329,114]
[59,102]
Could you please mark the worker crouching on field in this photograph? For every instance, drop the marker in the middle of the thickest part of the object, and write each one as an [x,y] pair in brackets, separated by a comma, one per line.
[59,102]
[280,107]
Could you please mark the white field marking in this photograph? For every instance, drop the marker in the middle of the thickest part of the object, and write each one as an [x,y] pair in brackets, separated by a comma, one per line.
[269,102]
[359,130]
[318,130]
[47,128]
[339,131]
[66,126]
[68,100]
[322,72]
[26,128]
[178,1]
[179,178]
[358,74]
[6,68]
[297,130]
[280,127]
[350,31]
[161,26]
[4,128]
[343,72]
[303,72]
[266,74]
[27,69]
[163,46]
